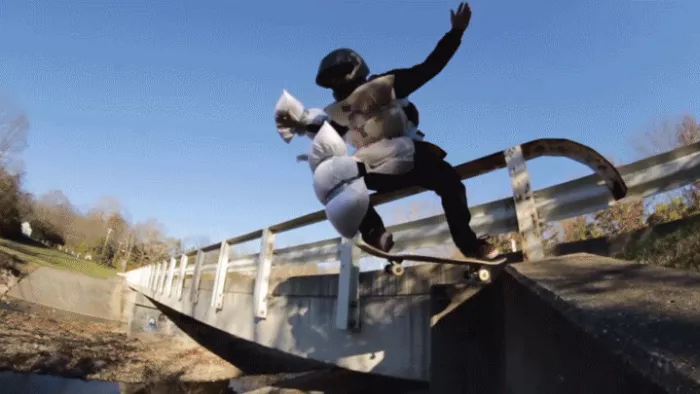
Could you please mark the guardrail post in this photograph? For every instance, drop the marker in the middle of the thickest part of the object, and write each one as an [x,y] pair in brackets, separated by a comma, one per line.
[217,299]
[171,274]
[164,275]
[525,208]
[347,315]
[156,278]
[262,278]
[149,276]
[181,277]
[156,275]
[196,276]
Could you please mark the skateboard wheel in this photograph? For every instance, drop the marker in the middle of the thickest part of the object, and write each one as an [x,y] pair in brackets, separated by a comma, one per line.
[484,275]
[394,269]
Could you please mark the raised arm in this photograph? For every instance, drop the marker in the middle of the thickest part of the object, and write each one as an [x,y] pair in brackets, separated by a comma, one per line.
[408,80]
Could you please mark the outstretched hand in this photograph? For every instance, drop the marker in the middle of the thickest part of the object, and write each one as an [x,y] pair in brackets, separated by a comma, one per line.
[460,19]
[286,120]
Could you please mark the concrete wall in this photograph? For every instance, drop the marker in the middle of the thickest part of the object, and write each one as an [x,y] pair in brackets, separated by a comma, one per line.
[395,335]
[106,299]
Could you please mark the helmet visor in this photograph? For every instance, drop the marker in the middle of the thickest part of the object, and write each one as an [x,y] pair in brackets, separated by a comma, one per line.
[334,75]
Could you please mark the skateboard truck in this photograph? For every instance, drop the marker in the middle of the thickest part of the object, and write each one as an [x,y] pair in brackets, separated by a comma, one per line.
[394,268]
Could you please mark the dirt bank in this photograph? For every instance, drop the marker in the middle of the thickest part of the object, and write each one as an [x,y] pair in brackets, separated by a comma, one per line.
[35,342]
[12,269]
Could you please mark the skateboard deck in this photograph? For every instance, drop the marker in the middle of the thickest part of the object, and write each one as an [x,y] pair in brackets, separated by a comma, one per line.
[396,259]
[399,257]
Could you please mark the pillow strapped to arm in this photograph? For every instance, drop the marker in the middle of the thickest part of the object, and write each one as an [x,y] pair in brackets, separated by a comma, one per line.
[289,105]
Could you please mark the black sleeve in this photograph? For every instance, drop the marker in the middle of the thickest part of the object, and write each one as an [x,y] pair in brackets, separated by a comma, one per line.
[408,80]
[314,128]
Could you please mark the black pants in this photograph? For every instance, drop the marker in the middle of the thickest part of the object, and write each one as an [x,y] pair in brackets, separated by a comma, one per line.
[430,171]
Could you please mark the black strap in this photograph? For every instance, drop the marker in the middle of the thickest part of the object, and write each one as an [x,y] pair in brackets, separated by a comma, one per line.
[361,168]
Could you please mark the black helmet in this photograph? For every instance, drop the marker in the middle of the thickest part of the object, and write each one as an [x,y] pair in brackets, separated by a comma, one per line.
[340,67]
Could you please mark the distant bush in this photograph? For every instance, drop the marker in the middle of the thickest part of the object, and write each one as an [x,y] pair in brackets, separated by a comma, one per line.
[678,249]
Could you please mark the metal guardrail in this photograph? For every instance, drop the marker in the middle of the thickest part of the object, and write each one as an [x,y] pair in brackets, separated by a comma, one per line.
[584,195]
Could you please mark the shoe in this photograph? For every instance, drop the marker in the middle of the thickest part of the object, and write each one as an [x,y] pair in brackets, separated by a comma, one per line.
[483,250]
[383,241]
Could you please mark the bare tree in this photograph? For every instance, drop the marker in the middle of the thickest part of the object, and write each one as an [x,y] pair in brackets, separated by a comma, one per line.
[656,139]
[14,126]
[668,135]
[152,247]
[106,206]
[195,242]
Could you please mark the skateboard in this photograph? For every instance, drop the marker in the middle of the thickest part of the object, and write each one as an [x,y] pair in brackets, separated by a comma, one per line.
[482,268]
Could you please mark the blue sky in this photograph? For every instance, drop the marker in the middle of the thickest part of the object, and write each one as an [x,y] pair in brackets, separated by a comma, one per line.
[168,105]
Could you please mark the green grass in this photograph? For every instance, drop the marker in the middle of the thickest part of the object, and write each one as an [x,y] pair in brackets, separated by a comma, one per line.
[48,257]
[678,249]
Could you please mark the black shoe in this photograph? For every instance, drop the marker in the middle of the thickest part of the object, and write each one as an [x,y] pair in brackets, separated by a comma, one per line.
[383,240]
[483,250]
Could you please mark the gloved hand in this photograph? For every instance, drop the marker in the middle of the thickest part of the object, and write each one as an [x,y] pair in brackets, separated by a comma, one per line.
[460,19]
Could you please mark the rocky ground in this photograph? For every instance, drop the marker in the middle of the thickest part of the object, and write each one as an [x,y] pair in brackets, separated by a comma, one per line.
[30,342]
[12,270]
[36,339]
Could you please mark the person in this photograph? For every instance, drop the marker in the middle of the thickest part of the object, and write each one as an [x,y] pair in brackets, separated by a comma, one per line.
[373,113]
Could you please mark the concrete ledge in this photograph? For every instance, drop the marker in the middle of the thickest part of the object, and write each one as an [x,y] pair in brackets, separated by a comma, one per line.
[647,316]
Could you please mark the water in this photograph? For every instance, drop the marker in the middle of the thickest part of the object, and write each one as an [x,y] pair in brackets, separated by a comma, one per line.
[20,383]
[17,383]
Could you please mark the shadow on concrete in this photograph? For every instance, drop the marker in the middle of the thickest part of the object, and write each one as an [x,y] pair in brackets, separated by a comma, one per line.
[249,357]
[254,359]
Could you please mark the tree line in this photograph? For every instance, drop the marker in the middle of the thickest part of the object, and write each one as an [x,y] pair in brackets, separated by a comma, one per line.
[102,231]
